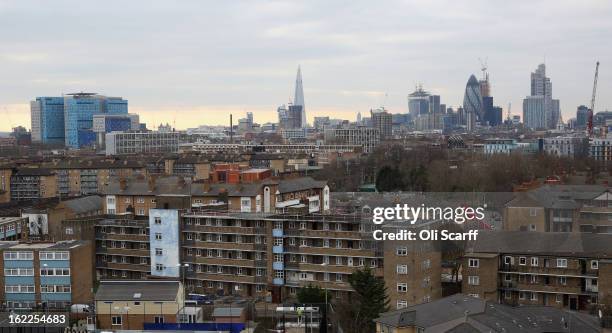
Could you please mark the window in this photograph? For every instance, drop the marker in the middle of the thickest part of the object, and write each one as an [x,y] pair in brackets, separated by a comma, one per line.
[562,280]
[12,255]
[140,211]
[473,280]
[325,242]
[534,296]
[402,287]
[140,200]
[534,261]
[339,261]
[473,263]
[159,267]
[508,260]
[562,263]
[116,320]
[157,220]
[159,252]
[338,243]
[559,298]
[522,295]
[534,279]
[402,304]
[401,251]
[594,264]
[507,294]
[54,255]
[69,231]
[338,277]
[522,261]
[533,212]
[532,227]
[158,236]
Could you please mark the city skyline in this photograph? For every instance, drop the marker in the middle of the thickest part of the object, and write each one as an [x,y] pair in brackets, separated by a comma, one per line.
[352,60]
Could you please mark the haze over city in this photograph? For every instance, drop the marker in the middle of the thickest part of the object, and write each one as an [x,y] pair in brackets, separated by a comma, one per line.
[193,64]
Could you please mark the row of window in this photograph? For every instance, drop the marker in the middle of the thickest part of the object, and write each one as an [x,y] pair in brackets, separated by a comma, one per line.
[43,255]
[534,262]
[43,272]
[52,288]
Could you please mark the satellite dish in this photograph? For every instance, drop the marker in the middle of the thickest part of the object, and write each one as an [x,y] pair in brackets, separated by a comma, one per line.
[600,314]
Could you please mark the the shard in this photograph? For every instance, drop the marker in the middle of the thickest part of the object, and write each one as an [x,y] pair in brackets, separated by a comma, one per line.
[299,95]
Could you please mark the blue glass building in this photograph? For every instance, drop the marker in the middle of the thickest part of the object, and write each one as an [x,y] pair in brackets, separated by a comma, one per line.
[79,110]
[47,115]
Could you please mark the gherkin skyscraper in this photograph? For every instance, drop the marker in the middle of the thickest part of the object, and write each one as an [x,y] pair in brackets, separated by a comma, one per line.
[472,102]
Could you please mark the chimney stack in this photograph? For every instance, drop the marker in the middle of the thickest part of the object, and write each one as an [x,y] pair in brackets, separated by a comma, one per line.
[151,183]
[122,184]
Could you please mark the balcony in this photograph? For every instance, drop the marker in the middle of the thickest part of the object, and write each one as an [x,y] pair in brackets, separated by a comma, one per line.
[123,237]
[124,266]
[220,230]
[278,281]
[218,245]
[223,277]
[278,265]
[277,249]
[508,284]
[123,252]
[277,232]
[220,261]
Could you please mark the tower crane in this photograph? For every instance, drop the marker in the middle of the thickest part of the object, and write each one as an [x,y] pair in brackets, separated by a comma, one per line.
[590,120]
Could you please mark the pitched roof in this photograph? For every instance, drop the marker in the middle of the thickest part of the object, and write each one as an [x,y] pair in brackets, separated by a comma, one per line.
[299,184]
[85,204]
[545,243]
[148,290]
[465,314]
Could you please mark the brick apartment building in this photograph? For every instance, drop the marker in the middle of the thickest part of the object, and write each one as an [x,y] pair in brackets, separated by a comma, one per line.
[564,270]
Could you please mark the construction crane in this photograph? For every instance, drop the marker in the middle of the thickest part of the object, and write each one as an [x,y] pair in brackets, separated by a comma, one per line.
[590,121]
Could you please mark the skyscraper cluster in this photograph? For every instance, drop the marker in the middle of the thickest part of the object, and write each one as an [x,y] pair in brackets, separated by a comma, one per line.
[294,115]
[540,110]
[69,120]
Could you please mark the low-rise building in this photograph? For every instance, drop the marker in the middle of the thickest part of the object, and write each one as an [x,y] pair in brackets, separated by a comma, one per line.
[129,305]
[46,275]
[122,143]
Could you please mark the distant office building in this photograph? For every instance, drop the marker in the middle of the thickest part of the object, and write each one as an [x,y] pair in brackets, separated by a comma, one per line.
[418,102]
[472,102]
[566,146]
[492,114]
[298,99]
[47,116]
[601,149]
[321,122]
[534,112]
[120,143]
[367,137]
[106,123]
[541,110]
[79,109]
[290,117]
[582,116]
[383,121]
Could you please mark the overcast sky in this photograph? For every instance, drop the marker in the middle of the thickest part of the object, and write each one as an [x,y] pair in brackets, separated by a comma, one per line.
[194,62]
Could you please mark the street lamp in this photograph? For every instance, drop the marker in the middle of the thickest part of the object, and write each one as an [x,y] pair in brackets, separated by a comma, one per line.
[182,272]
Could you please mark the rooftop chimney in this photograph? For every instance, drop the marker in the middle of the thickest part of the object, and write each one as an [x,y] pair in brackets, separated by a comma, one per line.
[122,184]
